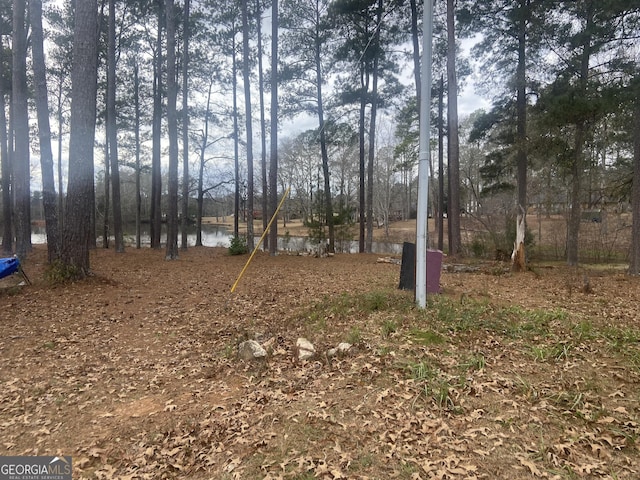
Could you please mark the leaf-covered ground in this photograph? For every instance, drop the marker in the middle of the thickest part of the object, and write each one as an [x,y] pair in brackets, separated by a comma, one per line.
[134,372]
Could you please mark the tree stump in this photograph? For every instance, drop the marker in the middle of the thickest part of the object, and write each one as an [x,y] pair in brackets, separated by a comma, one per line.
[518,258]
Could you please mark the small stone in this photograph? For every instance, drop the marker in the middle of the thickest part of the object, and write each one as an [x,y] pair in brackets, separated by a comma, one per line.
[251,350]
[341,349]
[306,350]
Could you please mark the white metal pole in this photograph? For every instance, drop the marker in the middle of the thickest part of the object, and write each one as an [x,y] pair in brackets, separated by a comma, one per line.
[423,166]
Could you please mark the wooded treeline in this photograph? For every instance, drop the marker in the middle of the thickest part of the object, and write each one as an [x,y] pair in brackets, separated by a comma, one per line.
[156,107]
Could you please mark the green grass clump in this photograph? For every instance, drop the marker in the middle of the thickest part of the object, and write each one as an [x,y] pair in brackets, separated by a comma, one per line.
[427,337]
[432,384]
[389,327]
[354,337]
[472,363]
[346,305]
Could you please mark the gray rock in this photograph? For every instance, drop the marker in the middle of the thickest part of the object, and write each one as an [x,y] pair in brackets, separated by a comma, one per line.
[251,350]
[306,350]
[341,349]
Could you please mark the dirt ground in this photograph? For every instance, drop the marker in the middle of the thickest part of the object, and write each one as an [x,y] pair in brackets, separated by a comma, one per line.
[134,372]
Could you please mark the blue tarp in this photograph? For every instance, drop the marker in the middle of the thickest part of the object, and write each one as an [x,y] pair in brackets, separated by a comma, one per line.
[9,266]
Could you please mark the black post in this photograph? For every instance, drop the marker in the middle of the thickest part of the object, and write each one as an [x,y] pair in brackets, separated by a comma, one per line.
[408,267]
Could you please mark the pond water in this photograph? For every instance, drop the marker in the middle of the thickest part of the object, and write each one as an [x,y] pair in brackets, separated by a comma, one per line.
[220,236]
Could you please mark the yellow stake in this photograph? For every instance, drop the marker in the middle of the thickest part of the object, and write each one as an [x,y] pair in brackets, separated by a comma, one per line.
[261,238]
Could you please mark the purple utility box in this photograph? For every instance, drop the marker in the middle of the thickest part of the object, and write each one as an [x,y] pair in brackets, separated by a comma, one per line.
[434,267]
[408,268]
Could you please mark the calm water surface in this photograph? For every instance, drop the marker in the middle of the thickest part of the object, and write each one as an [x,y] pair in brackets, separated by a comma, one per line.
[220,236]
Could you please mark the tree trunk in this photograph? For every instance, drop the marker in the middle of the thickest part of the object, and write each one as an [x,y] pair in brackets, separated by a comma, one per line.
[7,230]
[236,140]
[415,39]
[107,195]
[455,240]
[185,126]
[518,260]
[634,264]
[136,99]
[573,230]
[372,129]
[248,122]
[323,146]
[200,200]
[203,150]
[573,227]
[518,257]
[263,131]
[440,212]
[44,132]
[172,123]
[93,243]
[60,121]
[155,222]
[77,233]
[21,174]
[112,130]
[361,195]
[273,162]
